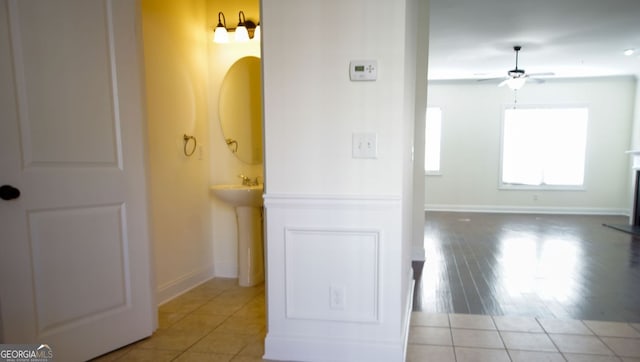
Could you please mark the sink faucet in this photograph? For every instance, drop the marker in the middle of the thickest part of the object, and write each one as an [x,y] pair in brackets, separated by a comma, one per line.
[247,181]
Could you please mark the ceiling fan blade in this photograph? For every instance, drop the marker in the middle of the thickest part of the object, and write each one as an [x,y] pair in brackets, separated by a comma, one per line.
[547,74]
[489,79]
[536,80]
[504,82]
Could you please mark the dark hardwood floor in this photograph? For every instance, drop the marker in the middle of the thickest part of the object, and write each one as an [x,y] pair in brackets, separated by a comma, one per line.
[549,266]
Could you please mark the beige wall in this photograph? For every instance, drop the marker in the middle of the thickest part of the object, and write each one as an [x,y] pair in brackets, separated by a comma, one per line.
[471,138]
[194,234]
[176,67]
[225,167]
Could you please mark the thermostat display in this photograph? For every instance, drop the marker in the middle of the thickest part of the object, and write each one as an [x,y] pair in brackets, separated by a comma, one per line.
[363,70]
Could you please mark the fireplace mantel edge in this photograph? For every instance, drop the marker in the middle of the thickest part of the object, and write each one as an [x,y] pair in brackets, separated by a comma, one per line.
[635,156]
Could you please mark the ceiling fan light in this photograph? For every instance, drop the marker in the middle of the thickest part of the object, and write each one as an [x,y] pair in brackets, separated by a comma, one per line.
[516,83]
[629,52]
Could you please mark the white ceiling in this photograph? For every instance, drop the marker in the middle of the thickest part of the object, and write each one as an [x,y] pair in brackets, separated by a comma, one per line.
[471,39]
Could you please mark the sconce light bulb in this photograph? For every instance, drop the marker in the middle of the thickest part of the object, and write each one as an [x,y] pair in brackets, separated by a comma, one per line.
[242,34]
[220,35]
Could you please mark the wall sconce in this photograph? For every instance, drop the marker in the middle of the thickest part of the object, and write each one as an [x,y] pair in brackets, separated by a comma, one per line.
[220,35]
[256,32]
[245,30]
[242,34]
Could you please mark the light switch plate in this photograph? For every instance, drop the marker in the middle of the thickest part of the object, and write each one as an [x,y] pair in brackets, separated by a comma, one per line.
[365,145]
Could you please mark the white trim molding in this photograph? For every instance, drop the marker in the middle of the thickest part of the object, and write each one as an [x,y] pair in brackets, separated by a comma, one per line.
[176,287]
[322,201]
[635,158]
[508,209]
[307,249]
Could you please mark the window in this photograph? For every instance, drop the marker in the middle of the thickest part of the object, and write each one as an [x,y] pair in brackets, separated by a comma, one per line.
[432,133]
[544,147]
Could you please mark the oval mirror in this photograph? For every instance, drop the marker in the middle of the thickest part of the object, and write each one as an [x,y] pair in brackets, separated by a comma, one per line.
[240,106]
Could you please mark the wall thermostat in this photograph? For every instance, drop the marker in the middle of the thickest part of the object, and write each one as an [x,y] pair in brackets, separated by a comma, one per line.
[363,70]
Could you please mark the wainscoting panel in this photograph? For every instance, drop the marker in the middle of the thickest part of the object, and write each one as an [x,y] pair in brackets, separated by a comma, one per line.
[334,267]
[349,262]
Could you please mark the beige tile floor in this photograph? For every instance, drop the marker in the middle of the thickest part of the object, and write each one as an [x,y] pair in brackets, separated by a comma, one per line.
[465,337]
[219,321]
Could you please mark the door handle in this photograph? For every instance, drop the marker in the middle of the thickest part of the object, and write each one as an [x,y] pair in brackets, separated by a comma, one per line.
[8,192]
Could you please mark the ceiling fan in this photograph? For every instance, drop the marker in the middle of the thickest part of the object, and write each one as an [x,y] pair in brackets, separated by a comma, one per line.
[516,78]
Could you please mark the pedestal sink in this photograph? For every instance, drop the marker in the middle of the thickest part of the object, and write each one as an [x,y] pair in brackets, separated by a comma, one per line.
[247,201]
[239,195]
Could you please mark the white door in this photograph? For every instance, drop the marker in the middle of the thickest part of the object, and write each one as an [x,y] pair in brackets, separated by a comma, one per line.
[74,247]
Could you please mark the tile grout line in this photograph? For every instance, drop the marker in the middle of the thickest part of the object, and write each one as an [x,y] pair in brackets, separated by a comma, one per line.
[228,317]
[182,352]
[159,330]
[245,346]
[537,319]
[206,334]
[501,339]
[603,342]
[545,332]
[453,343]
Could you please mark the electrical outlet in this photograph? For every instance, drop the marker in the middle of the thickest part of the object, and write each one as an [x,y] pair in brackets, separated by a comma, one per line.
[337,297]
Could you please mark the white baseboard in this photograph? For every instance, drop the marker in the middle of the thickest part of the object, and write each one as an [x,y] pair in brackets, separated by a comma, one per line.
[307,349]
[181,285]
[528,209]
[407,315]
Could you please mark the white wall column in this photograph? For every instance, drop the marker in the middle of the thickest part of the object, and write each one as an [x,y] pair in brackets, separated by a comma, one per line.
[339,228]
